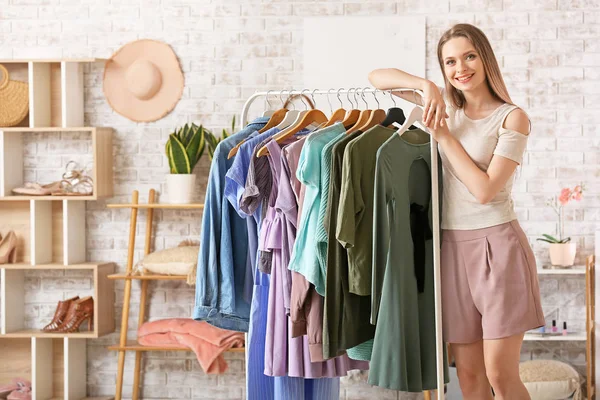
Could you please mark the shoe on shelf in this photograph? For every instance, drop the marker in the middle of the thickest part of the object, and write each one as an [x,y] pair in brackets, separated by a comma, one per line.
[59,314]
[80,310]
[15,384]
[21,389]
[8,249]
[36,189]
[23,393]
[76,181]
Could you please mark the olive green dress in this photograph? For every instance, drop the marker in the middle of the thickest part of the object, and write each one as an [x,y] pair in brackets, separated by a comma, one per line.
[403,307]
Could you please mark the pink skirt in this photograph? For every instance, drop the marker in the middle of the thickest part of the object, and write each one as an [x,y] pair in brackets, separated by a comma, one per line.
[490,287]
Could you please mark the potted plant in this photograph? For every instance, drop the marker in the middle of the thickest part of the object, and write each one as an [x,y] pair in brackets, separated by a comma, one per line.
[562,251]
[184,148]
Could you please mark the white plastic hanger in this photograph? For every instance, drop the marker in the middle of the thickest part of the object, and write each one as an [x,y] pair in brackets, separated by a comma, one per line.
[415,116]
[290,117]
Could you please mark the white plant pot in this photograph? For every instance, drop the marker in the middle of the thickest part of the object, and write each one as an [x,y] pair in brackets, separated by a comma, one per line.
[563,254]
[180,188]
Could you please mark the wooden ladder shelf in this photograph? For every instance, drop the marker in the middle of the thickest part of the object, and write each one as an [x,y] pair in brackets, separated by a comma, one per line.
[125,345]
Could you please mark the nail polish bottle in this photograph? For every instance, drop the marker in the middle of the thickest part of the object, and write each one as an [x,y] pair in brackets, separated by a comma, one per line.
[554,328]
[543,329]
[565,328]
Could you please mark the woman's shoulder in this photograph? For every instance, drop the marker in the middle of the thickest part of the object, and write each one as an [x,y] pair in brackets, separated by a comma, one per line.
[517,120]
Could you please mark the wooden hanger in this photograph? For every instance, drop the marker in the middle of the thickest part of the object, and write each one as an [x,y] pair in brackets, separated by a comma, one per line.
[352,115]
[362,119]
[304,119]
[277,116]
[275,120]
[311,118]
[351,118]
[337,115]
[377,116]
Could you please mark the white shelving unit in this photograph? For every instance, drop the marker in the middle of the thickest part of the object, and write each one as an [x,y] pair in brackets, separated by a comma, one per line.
[51,234]
[12,165]
[55,90]
[574,270]
[571,337]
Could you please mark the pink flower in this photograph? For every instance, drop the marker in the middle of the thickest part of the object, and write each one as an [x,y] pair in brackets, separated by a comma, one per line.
[578,189]
[565,195]
[577,196]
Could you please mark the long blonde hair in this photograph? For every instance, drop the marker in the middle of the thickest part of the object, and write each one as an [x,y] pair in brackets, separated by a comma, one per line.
[483,47]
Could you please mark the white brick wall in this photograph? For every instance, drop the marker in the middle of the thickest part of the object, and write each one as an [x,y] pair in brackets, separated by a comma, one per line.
[549,52]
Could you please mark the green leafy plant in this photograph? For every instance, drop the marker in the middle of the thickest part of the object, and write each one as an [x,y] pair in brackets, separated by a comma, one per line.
[185,147]
[212,141]
[551,239]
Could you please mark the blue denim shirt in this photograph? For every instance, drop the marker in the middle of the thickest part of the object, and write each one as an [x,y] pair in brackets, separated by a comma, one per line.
[219,300]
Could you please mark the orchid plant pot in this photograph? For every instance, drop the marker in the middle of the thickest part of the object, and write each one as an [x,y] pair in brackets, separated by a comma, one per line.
[563,254]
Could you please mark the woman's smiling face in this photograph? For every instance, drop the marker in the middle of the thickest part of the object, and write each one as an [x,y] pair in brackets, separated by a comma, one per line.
[462,64]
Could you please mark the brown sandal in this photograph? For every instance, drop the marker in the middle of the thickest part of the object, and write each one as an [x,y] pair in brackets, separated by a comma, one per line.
[79,311]
[59,315]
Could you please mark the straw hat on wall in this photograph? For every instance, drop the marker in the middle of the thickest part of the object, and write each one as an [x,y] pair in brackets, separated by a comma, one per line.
[143,80]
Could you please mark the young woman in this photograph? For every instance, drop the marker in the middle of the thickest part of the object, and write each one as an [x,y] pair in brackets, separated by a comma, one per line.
[490,287]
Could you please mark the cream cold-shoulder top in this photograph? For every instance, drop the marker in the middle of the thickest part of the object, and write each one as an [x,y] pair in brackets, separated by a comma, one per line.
[481,139]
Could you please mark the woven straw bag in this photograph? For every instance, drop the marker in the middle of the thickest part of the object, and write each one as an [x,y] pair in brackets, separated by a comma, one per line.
[14,100]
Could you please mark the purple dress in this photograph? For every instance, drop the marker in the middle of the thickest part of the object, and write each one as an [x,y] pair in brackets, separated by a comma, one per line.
[284,355]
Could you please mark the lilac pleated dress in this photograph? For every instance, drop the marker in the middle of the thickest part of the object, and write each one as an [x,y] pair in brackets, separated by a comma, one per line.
[284,355]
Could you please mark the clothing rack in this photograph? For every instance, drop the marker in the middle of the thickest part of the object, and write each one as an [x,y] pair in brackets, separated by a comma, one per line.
[435,209]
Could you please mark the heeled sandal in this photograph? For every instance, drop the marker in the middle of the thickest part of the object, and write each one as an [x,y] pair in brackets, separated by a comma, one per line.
[75,181]
[59,315]
[79,311]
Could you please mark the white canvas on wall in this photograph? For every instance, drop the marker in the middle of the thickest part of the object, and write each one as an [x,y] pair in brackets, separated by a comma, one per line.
[339,52]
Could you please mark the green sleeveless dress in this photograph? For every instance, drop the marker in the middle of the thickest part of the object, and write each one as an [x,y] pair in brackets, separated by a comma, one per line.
[403,306]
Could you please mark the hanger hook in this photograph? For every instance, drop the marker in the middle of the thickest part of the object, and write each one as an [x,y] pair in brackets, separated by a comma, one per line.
[289,96]
[267,102]
[312,96]
[338,96]
[362,95]
[351,92]
[329,101]
[348,97]
[355,95]
[302,98]
[281,97]
[375,96]
[393,100]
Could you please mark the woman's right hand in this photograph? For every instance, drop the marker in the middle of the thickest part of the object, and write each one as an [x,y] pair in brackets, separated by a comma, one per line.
[434,107]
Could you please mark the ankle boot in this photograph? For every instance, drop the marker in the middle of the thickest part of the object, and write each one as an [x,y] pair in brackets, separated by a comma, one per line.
[79,311]
[59,315]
